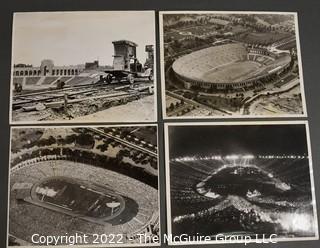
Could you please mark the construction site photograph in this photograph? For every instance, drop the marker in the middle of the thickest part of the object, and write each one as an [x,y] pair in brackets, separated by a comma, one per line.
[239,180]
[91,66]
[96,181]
[230,64]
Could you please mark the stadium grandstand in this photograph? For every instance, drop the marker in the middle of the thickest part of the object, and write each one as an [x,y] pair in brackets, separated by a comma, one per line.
[47,75]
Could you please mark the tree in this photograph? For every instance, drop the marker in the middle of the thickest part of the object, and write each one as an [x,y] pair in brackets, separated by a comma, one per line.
[17,87]
[85,140]
[171,106]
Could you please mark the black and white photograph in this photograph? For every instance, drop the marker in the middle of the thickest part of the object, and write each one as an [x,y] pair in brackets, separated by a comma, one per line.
[100,182]
[230,64]
[240,179]
[83,66]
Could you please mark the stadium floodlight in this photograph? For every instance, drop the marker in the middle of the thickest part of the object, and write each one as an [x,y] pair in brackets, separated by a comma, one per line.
[232,157]
[187,159]
[248,157]
[215,157]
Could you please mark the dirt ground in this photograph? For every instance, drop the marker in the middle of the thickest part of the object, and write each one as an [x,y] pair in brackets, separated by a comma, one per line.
[135,111]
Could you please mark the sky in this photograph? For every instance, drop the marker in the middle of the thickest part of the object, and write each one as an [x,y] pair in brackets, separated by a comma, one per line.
[71,38]
[237,139]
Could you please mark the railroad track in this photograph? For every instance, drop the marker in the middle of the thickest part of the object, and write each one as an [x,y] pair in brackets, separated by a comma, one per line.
[74,94]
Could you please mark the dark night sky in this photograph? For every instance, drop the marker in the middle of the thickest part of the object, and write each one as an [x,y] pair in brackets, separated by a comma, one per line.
[235,139]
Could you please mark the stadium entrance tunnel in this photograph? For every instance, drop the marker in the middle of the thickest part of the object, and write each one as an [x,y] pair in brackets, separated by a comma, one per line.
[247,181]
[82,199]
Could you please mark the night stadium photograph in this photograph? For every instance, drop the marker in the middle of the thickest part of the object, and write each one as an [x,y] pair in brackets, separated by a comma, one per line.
[98,181]
[83,66]
[230,64]
[248,179]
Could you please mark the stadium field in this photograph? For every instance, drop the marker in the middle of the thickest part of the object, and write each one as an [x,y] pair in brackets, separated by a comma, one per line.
[235,72]
[75,197]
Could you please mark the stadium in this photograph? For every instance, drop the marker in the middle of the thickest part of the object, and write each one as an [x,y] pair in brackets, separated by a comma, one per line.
[241,180]
[234,66]
[72,189]
[241,194]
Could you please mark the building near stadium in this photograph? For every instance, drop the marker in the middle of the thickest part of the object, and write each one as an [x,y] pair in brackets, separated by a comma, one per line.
[234,66]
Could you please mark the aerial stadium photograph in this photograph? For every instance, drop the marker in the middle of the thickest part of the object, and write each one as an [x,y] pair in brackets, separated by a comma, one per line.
[239,180]
[83,66]
[230,64]
[99,183]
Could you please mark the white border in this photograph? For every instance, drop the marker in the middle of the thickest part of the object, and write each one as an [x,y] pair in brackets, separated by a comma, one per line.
[163,93]
[158,244]
[155,112]
[167,166]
